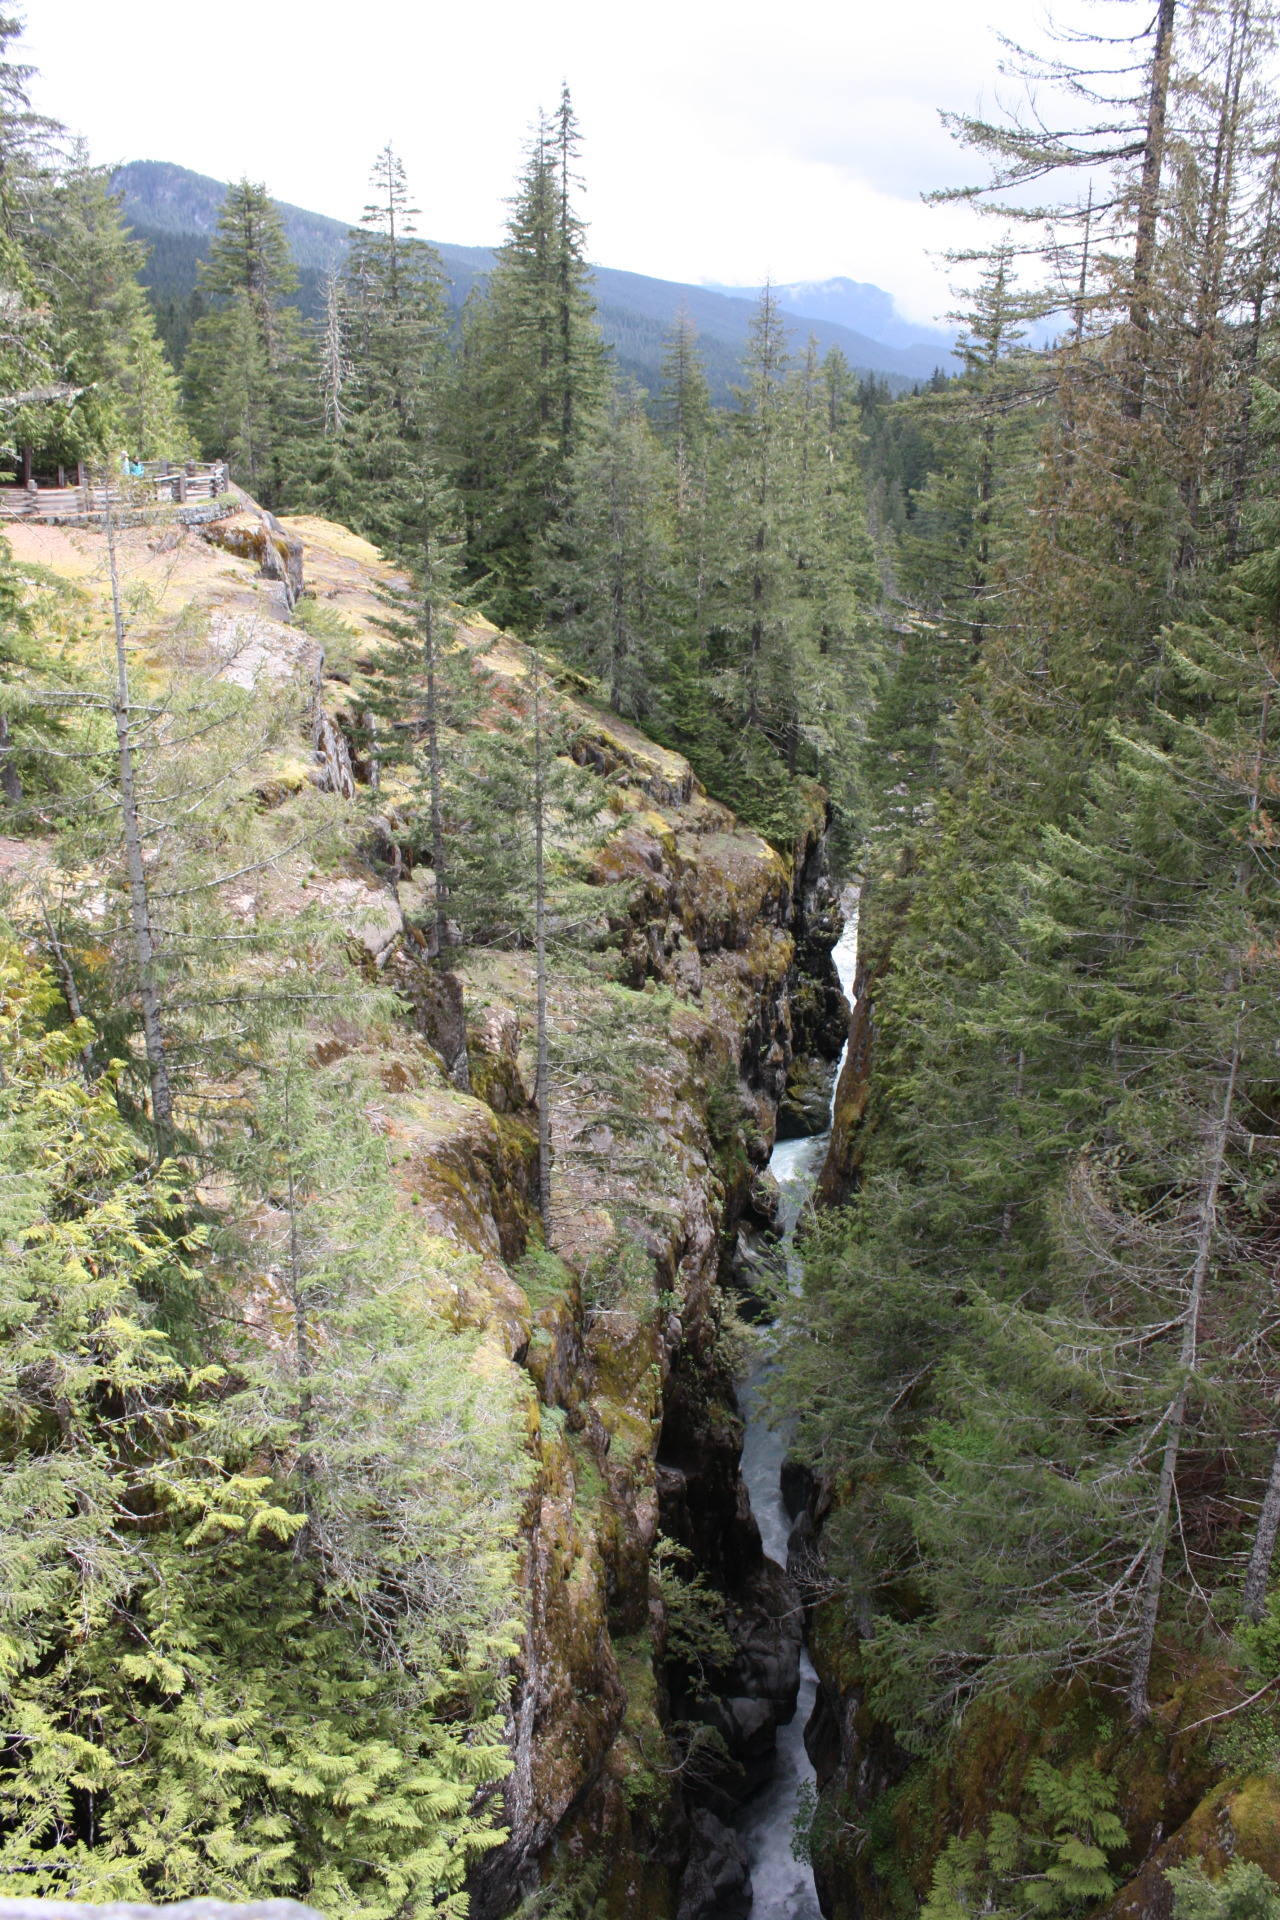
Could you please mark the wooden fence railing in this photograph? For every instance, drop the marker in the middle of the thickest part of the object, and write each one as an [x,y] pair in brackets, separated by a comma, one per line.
[160,484]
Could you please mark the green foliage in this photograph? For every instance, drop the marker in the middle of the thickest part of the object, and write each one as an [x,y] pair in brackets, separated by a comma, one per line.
[493,777]
[248,1647]
[803,1824]
[620,1277]
[1248,1742]
[1260,1642]
[1052,1862]
[614,572]
[528,381]
[698,1640]
[544,1277]
[87,263]
[81,369]
[242,360]
[1043,1295]
[761,609]
[1244,1892]
[380,359]
[35,679]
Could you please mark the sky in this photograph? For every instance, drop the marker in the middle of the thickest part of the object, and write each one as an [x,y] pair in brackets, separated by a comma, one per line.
[723,140]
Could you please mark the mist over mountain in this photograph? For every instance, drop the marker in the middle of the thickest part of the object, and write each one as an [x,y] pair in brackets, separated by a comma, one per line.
[175,210]
[857,304]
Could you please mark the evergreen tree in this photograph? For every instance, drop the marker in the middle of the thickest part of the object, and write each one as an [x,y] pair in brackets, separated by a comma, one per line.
[86,264]
[422,681]
[963,536]
[1032,1326]
[614,566]
[762,631]
[242,361]
[27,140]
[156,1622]
[687,418]
[381,361]
[528,382]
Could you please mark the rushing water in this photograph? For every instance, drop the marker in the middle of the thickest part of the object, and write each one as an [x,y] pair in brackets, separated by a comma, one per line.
[783,1885]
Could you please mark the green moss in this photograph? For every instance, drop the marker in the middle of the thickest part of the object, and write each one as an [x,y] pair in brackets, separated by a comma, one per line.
[545,1278]
[643,1747]
[589,1487]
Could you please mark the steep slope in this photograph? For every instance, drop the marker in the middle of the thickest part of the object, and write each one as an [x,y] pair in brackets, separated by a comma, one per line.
[1196,1783]
[172,209]
[672,1052]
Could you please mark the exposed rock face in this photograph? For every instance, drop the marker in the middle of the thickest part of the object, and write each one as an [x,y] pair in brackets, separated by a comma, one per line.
[805,1107]
[255,535]
[717,1880]
[850,1120]
[675,1055]
[1240,1820]
[256,647]
[631,1359]
[758,1693]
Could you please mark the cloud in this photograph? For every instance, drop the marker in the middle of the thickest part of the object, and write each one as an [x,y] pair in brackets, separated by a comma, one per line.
[723,138]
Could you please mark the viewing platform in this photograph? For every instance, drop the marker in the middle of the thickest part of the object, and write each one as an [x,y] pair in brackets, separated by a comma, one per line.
[195,490]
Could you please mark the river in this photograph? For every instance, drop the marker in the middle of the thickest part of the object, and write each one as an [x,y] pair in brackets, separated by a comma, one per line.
[783,1886]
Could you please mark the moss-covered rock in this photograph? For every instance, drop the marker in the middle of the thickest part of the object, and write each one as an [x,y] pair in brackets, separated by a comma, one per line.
[658,1136]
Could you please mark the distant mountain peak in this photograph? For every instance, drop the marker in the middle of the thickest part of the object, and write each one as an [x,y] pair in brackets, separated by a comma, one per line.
[174,210]
[858,304]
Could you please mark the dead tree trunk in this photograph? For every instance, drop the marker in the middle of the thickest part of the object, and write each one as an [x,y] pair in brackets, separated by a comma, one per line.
[1153,1579]
[433,770]
[10,778]
[1144,244]
[1264,1546]
[68,979]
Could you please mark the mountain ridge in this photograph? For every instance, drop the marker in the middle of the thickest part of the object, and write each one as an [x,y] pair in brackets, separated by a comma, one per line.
[173,210]
[858,304]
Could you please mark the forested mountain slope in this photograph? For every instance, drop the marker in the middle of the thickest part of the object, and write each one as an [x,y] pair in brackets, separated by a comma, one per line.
[172,210]
[1034,1363]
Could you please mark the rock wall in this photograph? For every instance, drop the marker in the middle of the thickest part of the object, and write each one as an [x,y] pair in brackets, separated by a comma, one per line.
[662,1131]
[638,1431]
[713,1002]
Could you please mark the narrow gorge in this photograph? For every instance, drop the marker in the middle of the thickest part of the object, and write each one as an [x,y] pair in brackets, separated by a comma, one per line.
[639,1099]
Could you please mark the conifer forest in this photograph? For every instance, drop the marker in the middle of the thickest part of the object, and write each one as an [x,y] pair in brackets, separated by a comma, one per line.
[560,941]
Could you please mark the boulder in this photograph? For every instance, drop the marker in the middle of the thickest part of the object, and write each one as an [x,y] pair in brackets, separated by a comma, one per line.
[255,649]
[717,1880]
[805,1107]
[368,914]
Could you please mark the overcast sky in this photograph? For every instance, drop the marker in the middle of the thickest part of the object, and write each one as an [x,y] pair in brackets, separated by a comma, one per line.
[723,139]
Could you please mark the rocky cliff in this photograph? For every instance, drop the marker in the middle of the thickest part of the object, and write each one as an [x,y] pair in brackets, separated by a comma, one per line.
[711,1004]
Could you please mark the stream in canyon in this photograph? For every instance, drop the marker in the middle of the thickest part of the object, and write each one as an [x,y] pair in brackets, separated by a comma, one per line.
[783,1886]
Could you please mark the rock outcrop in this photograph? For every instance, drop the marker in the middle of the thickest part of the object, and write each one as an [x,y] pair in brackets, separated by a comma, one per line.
[715,994]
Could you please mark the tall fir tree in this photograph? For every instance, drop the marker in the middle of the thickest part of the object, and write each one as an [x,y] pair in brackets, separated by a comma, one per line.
[242,371]
[382,369]
[615,588]
[528,384]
